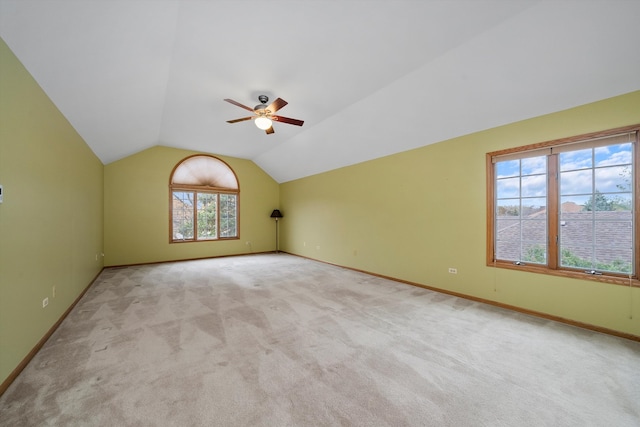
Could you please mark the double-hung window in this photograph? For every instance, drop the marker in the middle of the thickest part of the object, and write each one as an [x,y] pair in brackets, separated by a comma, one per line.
[204,197]
[567,207]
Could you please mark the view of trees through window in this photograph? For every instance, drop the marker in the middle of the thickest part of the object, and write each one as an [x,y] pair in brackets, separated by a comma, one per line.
[208,208]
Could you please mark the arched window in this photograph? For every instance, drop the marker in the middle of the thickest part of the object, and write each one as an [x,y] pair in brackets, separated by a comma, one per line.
[203,193]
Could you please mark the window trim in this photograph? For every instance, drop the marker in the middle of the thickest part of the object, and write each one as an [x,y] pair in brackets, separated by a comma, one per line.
[552,267]
[203,189]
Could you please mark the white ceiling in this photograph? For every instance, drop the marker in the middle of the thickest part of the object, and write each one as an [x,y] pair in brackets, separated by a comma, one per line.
[369,78]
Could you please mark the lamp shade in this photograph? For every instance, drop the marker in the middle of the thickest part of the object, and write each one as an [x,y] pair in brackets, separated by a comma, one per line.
[276,214]
[263,123]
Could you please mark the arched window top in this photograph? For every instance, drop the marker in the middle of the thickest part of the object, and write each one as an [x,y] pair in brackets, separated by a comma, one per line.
[205,171]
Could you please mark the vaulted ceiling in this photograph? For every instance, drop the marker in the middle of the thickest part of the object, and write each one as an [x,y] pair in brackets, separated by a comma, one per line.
[369,78]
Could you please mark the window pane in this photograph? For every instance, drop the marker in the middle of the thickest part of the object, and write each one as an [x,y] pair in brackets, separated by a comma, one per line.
[535,207]
[521,211]
[182,215]
[534,165]
[577,257]
[207,216]
[613,179]
[614,233]
[534,186]
[619,154]
[576,182]
[599,235]
[579,159]
[508,187]
[535,253]
[228,215]
[577,236]
[508,240]
[508,229]
[508,251]
[615,260]
[571,205]
[507,169]
[622,202]
[508,208]
[534,231]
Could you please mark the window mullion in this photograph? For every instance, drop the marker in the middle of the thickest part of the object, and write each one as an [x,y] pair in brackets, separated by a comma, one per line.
[553,212]
[218,217]
[195,215]
[635,176]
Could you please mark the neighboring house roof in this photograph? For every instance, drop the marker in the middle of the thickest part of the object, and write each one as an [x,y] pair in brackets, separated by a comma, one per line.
[603,235]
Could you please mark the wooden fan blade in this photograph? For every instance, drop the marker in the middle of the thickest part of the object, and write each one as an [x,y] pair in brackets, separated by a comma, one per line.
[270,130]
[276,105]
[231,101]
[240,120]
[288,120]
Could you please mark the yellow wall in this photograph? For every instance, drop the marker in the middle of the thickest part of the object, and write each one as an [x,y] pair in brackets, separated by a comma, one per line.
[51,221]
[137,215]
[413,215]
[410,216]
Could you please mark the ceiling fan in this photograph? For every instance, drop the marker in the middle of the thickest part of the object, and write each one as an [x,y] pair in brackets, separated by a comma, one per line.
[264,116]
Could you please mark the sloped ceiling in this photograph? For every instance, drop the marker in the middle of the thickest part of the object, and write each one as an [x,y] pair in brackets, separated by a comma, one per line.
[369,78]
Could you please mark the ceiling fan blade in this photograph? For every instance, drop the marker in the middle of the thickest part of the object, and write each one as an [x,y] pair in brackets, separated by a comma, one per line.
[238,104]
[270,130]
[276,105]
[288,120]
[240,120]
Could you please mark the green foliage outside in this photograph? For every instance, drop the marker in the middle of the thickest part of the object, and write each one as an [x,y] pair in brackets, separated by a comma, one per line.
[568,259]
[185,229]
[182,215]
[207,215]
[600,202]
[538,254]
[207,210]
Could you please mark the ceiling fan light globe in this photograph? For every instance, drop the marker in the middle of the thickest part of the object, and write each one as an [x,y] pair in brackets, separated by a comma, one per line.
[263,123]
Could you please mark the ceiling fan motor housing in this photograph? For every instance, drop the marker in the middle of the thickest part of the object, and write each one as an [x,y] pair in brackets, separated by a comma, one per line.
[261,108]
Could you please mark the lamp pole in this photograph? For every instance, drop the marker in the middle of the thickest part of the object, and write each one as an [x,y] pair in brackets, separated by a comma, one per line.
[277,215]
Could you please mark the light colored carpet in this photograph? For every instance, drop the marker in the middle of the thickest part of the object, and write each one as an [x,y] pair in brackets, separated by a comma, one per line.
[278,340]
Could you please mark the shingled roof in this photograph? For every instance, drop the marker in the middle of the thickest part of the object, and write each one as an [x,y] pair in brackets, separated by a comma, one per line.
[605,236]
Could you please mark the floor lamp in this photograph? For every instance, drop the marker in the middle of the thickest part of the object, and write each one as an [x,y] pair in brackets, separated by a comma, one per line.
[277,215]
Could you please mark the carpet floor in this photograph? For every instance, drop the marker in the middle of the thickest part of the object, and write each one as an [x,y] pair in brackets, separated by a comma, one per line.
[279,340]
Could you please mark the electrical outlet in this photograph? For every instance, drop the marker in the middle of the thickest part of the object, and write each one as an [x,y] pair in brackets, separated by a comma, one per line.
[248,243]
[453,270]
[45,302]
[53,291]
